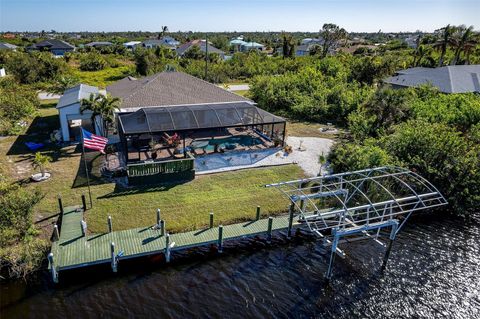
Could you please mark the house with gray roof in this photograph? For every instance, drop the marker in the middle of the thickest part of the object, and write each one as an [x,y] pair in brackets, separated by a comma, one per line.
[7,46]
[168,88]
[71,119]
[99,44]
[167,42]
[157,90]
[448,79]
[201,44]
[54,46]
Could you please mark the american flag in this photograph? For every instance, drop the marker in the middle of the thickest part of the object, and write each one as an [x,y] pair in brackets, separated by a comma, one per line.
[94,142]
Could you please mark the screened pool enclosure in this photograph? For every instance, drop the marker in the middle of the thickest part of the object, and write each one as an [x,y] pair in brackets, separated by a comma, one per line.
[172,133]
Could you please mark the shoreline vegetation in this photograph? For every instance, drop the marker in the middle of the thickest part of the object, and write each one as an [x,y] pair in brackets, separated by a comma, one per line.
[435,134]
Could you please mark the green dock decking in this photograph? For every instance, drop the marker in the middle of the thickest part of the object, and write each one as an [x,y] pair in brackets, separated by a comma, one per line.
[73,250]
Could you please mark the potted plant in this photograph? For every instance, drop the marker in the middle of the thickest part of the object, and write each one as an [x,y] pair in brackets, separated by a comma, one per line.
[41,161]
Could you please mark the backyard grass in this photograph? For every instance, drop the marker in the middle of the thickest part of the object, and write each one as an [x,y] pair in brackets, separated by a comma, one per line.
[310,129]
[242,93]
[103,77]
[232,196]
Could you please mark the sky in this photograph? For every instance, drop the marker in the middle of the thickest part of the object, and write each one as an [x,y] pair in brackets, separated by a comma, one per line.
[238,15]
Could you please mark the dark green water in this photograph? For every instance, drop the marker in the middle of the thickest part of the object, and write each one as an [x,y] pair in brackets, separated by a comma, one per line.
[433,272]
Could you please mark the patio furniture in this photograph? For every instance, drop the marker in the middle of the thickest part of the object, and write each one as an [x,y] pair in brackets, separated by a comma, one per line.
[34,146]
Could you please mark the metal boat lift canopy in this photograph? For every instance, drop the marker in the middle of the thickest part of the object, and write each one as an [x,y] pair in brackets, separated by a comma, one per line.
[358,198]
[358,203]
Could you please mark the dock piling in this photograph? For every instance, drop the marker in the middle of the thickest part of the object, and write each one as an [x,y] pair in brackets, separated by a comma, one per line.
[162,227]
[220,239]
[110,227]
[269,230]
[114,258]
[60,204]
[290,220]
[84,202]
[258,213]
[393,233]
[167,248]
[158,217]
[211,220]
[56,234]
[53,271]
[83,224]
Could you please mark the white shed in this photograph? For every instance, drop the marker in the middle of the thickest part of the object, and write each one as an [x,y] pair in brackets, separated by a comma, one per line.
[71,119]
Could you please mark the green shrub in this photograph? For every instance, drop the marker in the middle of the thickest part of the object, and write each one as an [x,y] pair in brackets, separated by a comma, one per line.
[92,61]
[17,104]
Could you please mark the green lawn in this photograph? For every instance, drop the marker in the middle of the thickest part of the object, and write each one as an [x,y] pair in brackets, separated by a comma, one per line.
[103,77]
[232,196]
[310,129]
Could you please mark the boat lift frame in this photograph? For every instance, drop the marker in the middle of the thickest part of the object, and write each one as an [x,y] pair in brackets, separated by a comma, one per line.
[359,204]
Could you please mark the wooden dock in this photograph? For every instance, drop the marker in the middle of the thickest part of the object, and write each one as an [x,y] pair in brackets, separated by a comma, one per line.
[73,249]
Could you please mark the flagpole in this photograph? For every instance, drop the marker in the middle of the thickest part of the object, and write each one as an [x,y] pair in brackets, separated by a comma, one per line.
[86,171]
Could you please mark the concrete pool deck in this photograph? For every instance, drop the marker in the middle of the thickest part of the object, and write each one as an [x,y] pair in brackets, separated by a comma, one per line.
[307,158]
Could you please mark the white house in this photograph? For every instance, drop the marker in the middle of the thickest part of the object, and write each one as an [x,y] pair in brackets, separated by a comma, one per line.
[71,119]
[132,44]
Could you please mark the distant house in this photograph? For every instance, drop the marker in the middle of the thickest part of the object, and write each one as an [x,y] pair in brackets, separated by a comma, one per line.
[201,44]
[132,44]
[167,42]
[411,42]
[448,79]
[303,50]
[306,45]
[99,44]
[54,46]
[9,36]
[312,41]
[71,119]
[7,46]
[241,46]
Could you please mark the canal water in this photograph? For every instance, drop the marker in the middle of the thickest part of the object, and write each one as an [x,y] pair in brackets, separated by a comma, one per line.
[433,272]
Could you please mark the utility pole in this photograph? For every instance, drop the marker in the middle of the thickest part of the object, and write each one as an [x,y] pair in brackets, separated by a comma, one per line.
[206,56]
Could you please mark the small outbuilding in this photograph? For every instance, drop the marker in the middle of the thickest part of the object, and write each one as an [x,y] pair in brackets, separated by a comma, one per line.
[71,119]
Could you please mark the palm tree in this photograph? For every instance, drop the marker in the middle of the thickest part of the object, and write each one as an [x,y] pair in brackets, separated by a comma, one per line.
[63,83]
[41,161]
[163,32]
[465,43]
[420,53]
[443,43]
[469,47]
[103,106]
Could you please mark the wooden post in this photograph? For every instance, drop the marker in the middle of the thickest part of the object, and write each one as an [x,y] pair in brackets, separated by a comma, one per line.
[110,227]
[53,271]
[114,258]
[83,224]
[269,230]
[258,213]
[56,235]
[167,248]
[60,205]
[290,220]
[302,204]
[162,227]
[84,202]
[158,217]
[211,220]
[220,239]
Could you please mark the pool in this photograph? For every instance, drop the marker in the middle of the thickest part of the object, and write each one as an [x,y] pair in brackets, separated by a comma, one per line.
[229,143]
[217,161]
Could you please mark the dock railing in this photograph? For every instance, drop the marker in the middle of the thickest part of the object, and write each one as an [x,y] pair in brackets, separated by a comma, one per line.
[158,171]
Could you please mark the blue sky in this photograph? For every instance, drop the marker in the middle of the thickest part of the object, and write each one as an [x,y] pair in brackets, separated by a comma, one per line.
[239,15]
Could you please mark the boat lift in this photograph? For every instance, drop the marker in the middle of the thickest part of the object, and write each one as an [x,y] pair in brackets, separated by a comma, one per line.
[358,205]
